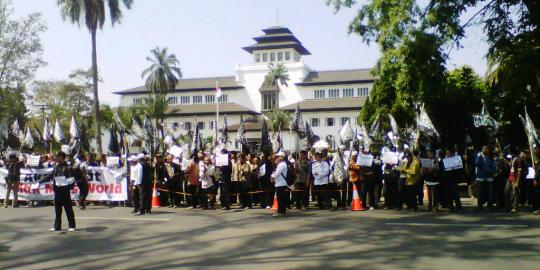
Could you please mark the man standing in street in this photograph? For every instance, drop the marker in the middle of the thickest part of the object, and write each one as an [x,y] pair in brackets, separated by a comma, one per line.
[280,183]
[13,178]
[485,172]
[63,183]
[320,169]
[302,168]
[145,188]
[135,177]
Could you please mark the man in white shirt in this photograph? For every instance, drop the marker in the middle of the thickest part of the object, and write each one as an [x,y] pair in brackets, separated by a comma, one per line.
[320,169]
[280,183]
[206,173]
[135,177]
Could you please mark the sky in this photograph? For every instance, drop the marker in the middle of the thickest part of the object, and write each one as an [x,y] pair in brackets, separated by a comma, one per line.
[207,37]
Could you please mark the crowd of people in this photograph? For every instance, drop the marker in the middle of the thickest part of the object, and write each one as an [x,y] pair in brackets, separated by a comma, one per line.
[507,181]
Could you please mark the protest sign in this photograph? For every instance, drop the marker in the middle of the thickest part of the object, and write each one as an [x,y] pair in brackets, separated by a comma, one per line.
[390,158]
[33,161]
[65,149]
[452,163]
[429,163]
[222,160]
[113,162]
[365,160]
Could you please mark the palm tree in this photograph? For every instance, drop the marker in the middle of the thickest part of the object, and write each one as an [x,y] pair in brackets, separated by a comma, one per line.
[161,76]
[92,14]
[278,118]
[276,75]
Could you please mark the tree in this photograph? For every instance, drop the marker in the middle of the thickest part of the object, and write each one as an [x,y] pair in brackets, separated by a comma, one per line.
[92,13]
[276,75]
[20,47]
[161,76]
[279,119]
[513,34]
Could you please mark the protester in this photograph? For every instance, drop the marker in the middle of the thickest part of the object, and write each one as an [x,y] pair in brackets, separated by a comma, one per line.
[320,171]
[135,175]
[431,177]
[206,173]
[13,179]
[193,181]
[63,183]
[485,172]
[303,170]
[243,175]
[280,183]
[367,184]
[518,171]
[413,178]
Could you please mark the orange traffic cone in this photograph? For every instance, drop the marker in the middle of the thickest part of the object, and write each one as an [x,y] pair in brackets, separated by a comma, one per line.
[155,198]
[275,204]
[356,202]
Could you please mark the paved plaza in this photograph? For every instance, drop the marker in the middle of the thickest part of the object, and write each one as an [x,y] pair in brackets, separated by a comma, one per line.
[111,238]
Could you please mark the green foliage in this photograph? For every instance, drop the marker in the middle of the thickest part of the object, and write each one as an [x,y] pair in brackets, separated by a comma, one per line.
[12,106]
[163,74]
[279,118]
[415,38]
[92,13]
[20,46]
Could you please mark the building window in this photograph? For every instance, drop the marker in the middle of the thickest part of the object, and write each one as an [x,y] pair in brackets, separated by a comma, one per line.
[257,57]
[314,122]
[330,121]
[211,124]
[319,94]
[265,57]
[197,99]
[184,99]
[268,101]
[287,56]
[280,56]
[272,57]
[209,98]
[200,125]
[137,101]
[172,100]
[222,99]
[187,125]
[348,92]
[175,125]
[363,92]
[344,120]
[333,93]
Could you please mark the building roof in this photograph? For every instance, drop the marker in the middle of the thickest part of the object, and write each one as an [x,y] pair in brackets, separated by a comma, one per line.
[207,109]
[348,76]
[325,105]
[193,84]
[277,37]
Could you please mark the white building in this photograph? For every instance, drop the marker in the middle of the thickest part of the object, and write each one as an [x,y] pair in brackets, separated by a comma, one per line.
[327,99]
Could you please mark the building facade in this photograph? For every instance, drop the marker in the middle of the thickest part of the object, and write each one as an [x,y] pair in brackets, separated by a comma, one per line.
[327,99]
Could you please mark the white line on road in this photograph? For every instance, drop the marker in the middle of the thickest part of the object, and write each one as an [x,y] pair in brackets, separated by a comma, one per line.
[460,225]
[136,219]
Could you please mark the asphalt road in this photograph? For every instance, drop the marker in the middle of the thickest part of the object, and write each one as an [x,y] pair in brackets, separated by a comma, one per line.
[252,239]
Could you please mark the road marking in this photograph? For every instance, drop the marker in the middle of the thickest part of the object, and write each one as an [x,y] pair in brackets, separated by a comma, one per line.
[136,219]
[460,225]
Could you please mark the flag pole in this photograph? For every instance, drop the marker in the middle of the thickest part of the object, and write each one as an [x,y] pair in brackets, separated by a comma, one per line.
[218,95]
[529,137]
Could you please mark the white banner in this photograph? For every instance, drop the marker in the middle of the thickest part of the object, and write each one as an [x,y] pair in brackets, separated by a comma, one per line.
[104,184]
[390,158]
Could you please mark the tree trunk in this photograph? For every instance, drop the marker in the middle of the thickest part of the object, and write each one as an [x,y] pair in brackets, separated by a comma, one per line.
[97,119]
[277,96]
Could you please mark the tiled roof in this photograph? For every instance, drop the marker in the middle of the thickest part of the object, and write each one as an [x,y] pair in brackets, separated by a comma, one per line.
[207,109]
[337,104]
[193,84]
[338,76]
